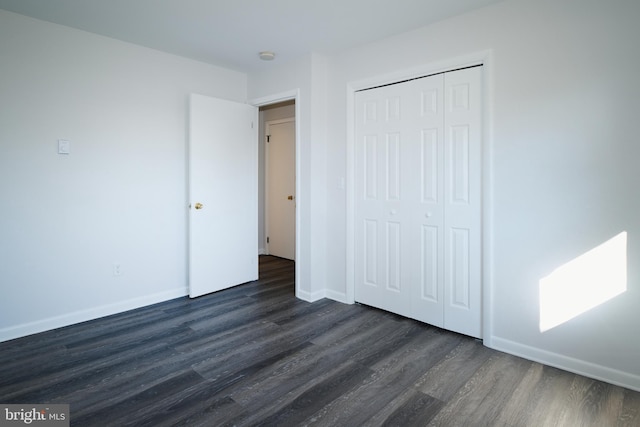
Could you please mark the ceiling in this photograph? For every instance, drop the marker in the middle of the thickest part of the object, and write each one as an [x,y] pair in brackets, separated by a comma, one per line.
[230,33]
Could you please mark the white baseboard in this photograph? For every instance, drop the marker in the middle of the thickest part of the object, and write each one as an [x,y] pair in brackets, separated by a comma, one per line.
[337,296]
[79,316]
[577,366]
[326,293]
[310,296]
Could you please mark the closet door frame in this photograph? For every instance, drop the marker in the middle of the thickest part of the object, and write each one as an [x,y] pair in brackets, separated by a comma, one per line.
[483,58]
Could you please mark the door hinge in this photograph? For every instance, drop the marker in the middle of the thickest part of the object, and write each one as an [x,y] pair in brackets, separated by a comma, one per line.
[267,240]
[268,138]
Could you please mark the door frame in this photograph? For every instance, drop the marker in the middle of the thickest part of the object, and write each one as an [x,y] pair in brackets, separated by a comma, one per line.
[267,200]
[483,58]
[290,95]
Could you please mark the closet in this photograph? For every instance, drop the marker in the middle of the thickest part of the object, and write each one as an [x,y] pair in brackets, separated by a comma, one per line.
[418,206]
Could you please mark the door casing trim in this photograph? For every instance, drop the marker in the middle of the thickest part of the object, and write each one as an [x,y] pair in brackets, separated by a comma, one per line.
[293,94]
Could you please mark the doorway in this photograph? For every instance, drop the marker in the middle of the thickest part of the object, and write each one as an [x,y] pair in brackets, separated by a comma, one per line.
[200,135]
[277,171]
[280,187]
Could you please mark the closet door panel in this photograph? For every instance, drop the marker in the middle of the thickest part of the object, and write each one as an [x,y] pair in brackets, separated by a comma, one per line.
[380,223]
[463,208]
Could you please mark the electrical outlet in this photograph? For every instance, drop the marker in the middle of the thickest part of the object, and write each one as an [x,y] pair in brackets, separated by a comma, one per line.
[117,269]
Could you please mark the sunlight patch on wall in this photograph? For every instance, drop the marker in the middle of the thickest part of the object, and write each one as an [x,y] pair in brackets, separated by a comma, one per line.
[584,283]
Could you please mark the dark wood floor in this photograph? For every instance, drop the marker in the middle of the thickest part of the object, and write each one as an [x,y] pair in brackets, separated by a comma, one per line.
[255,355]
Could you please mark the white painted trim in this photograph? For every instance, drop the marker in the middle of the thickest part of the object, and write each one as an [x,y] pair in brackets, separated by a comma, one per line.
[279,121]
[310,297]
[337,296]
[67,319]
[421,71]
[477,58]
[294,95]
[351,193]
[577,366]
[275,98]
[487,198]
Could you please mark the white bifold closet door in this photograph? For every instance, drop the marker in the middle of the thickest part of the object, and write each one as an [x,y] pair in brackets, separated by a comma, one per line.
[418,199]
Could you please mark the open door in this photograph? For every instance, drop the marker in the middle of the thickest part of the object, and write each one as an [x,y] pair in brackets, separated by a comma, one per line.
[223,194]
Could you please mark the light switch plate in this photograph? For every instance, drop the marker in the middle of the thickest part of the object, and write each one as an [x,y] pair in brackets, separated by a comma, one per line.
[64,146]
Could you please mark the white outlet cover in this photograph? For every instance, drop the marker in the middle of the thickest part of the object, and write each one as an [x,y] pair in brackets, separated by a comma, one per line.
[64,146]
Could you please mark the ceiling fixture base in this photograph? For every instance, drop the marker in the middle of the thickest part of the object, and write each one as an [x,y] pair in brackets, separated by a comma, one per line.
[267,56]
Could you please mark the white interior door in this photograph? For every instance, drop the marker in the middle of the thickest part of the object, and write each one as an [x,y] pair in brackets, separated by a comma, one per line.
[463,204]
[418,201]
[223,194]
[281,188]
[399,210]
[426,202]
[381,244]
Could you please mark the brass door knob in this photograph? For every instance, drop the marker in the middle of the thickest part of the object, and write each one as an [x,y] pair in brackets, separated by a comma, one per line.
[199,205]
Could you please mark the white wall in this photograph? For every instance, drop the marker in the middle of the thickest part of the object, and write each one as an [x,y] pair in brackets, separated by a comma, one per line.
[563,104]
[563,107]
[307,77]
[119,197]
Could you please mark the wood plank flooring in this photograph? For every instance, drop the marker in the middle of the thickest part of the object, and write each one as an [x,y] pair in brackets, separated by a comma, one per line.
[255,355]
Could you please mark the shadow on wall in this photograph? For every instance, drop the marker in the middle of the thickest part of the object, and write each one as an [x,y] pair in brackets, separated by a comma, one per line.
[584,283]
